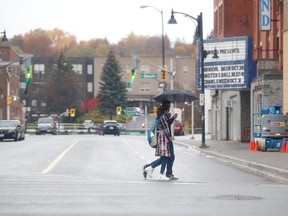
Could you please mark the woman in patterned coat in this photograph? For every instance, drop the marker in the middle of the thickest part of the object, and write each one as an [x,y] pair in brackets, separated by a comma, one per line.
[164,143]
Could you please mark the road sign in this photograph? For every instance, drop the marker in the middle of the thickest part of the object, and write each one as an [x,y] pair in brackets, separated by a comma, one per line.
[131,112]
[149,75]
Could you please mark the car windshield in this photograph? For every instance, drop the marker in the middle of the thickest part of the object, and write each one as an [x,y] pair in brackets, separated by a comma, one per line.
[7,124]
[45,120]
[111,123]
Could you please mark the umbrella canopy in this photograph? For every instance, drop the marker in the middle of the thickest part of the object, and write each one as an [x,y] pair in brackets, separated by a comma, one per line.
[175,95]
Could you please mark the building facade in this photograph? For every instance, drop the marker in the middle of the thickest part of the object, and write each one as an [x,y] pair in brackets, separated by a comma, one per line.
[34,105]
[263,21]
[10,103]
[149,79]
[147,84]
[230,107]
[285,56]
[267,87]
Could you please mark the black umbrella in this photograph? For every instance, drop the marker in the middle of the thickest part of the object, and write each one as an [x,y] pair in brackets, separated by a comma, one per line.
[175,95]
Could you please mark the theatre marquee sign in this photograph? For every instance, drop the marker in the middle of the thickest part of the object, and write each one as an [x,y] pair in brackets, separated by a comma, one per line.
[234,67]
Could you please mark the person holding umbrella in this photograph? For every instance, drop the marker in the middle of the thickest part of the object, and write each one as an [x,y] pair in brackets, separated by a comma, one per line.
[164,148]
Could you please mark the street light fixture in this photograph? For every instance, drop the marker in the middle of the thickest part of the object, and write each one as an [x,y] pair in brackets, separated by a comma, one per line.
[163,48]
[202,55]
[4,39]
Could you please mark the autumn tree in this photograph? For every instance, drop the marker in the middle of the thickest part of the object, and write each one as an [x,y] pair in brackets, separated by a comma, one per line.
[61,91]
[112,92]
[89,105]
[45,43]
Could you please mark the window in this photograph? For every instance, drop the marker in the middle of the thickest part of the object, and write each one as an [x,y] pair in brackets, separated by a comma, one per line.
[34,103]
[221,18]
[89,87]
[77,68]
[126,68]
[89,69]
[43,104]
[185,69]
[22,85]
[39,69]
[145,69]
[144,86]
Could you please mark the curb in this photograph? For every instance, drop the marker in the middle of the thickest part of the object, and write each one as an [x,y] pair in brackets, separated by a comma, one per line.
[271,172]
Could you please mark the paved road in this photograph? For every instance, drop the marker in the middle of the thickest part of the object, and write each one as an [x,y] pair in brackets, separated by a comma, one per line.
[96,175]
[270,163]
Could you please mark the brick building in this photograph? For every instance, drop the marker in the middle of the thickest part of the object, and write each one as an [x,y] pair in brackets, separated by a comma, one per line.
[141,93]
[285,56]
[267,87]
[245,18]
[42,67]
[10,104]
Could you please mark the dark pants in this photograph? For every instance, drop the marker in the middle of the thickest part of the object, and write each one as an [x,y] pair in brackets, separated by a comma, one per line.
[170,161]
[160,161]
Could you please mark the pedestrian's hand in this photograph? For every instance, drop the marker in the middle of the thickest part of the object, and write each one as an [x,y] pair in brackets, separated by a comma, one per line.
[175,115]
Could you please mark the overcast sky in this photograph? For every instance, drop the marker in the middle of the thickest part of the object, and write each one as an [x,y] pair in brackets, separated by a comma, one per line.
[113,19]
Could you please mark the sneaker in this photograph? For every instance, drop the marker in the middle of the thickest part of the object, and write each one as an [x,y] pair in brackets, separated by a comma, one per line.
[163,177]
[144,172]
[172,177]
[149,171]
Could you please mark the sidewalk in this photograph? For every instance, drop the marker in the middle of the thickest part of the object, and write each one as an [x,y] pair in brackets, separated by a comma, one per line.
[270,163]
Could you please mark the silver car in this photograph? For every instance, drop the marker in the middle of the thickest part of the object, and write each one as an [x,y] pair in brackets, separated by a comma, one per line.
[46,125]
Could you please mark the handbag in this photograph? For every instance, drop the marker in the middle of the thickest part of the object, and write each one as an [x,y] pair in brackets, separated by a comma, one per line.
[152,135]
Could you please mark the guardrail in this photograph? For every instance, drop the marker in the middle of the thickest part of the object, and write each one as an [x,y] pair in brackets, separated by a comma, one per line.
[71,128]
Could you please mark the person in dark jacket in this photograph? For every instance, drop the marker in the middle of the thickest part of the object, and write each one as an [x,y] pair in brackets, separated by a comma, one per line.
[164,147]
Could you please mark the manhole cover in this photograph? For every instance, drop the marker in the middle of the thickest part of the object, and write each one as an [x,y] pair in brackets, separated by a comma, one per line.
[237,197]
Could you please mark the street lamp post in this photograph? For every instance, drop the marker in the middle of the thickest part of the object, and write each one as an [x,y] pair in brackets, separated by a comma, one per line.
[163,47]
[4,39]
[199,20]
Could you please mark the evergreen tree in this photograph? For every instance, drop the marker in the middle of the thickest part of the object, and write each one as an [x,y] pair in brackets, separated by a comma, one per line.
[112,91]
[61,91]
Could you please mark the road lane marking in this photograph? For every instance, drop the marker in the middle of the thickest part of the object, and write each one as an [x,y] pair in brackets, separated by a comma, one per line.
[58,159]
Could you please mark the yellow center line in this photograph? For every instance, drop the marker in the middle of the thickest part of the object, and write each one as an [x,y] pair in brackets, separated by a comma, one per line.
[58,159]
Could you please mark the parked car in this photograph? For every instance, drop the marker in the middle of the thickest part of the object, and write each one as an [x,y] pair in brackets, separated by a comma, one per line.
[97,128]
[88,124]
[178,129]
[22,133]
[10,129]
[122,127]
[46,125]
[110,127]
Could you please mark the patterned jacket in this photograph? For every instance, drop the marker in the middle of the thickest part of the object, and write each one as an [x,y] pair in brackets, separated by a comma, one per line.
[164,138]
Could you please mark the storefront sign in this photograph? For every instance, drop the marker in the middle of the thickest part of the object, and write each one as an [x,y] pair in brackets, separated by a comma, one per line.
[233,68]
[265,15]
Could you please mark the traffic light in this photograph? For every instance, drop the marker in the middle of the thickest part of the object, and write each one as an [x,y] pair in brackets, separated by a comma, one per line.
[28,72]
[133,72]
[163,71]
[72,113]
[10,100]
[9,69]
[118,110]
[28,76]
